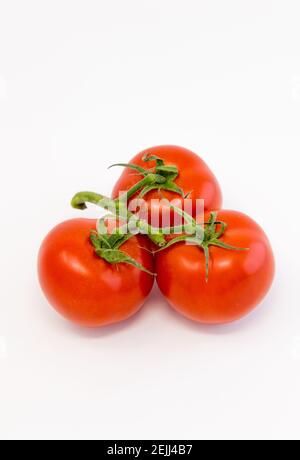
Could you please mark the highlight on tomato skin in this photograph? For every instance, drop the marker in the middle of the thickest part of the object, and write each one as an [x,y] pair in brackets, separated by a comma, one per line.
[238,280]
[195,179]
[86,289]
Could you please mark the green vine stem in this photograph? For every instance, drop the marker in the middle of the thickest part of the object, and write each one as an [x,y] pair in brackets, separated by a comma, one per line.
[202,235]
[119,209]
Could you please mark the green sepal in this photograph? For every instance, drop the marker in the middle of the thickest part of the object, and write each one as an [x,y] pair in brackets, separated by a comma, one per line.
[115,256]
[139,169]
[123,240]
[171,172]
[161,177]
[99,241]
[172,187]
[107,248]
[211,226]
[95,240]
[148,158]
[222,245]
[147,190]
[109,240]
[222,230]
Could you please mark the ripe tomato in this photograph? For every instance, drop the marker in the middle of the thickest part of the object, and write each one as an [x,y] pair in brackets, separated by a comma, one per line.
[86,289]
[238,280]
[195,179]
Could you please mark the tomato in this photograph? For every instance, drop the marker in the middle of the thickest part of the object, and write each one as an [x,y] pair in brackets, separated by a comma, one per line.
[237,281]
[194,178]
[85,288]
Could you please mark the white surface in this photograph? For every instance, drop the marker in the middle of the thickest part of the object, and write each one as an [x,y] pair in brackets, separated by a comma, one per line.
[84,84]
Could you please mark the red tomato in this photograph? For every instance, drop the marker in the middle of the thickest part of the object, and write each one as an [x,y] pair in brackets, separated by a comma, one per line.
[194,177]
[84,288]
[238,280]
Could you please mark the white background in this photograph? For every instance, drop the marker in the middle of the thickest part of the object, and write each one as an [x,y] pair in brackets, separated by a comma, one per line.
[84,84]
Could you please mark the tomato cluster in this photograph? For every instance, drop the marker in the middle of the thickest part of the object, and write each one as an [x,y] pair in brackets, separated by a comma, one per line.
[214,271]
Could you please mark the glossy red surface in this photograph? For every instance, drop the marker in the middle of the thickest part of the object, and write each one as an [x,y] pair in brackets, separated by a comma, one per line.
[238,280]
[84,288]
[195,178]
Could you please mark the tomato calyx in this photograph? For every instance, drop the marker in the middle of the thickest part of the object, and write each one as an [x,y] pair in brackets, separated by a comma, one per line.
[161,177]
[107,246]
[203,235]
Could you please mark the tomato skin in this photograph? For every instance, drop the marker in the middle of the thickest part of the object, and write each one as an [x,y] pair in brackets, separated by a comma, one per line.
[195,177]
[84,288]
[238,280]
